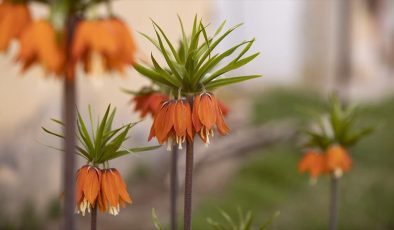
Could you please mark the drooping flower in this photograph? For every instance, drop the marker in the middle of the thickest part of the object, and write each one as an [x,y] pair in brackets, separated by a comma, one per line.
[223,107]
[39,44]
[103,45]
[172,123]
[149,103]
[207,114]
[312,162]
[113,192]
[14,18]
[338,160]
[87,188]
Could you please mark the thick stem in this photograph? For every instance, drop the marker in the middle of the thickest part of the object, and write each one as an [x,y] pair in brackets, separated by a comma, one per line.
[70,119]
[69,155]
[333,203]
[188,186]
[174,188]
[93,220]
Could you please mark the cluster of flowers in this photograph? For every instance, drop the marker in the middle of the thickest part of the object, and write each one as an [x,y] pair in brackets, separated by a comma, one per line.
[105,43]
[177,120]
[102,188]
[335,160]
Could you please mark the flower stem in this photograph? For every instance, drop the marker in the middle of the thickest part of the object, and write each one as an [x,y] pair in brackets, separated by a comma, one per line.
[93,220]
[188,186]
[69,113]
[69,155]
[174,187]
[334,203]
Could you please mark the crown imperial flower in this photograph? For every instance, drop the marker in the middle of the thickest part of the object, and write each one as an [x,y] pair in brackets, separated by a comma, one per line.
[38,44]
[113,192]
[111,46]
[14,18]
[88,182]
[173,124]
[312,162]
[206,115]
[149,103]
[338,160]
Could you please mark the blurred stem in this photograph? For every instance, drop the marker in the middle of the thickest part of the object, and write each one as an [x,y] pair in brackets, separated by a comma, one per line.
[69,155]
[93,221]
[69,113]
[334,203]
[174,187]
[188,186]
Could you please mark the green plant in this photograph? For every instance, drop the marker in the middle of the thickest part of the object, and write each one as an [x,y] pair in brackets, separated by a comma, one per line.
[243,222]
[102,143]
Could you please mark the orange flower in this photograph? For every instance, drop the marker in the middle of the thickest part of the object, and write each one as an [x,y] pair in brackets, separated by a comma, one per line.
[149,103]
[225,110]
[38,44]
[14,18]
[113,192]
[338,160]
[207,114]
[312,162]
[87,188]
[106,42]
[173,123]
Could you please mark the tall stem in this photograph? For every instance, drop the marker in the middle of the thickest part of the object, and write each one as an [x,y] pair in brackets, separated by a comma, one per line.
[188,186]
[69,113]
[93,220]
[333,203]
[174,187]
[69,155]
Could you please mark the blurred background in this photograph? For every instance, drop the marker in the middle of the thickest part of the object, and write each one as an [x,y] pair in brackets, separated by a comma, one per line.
[309,49]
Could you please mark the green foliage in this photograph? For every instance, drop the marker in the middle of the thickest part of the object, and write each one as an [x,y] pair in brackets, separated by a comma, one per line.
[338,128]
[267,181]
[156,221]
[102,143]
[244,221]
[193,67]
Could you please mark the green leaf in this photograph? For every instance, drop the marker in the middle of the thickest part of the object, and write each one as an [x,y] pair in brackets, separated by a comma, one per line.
[167,58]
[231,66]
[209,65]
[57,121]
[156,221]
[220,28]
[216,43]
[174,53]
[269,222]
[52,133]
[84,134]
[156,77]
[228,81]
[153,41]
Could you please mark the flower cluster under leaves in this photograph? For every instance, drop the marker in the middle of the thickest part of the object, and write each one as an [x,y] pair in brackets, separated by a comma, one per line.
[101,187]
[192,69]
[328,144]
[66,38]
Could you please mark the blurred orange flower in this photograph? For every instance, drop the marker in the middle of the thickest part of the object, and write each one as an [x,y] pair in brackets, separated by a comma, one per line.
[14,18]
[312,162]
[172,123]
[223,107]
[39,44]
[149,103]
[207,114]
[103,45]
[113,192]
[87,188]
[338,160]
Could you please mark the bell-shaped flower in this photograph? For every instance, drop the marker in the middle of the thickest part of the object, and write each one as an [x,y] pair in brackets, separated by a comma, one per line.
[207,115]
